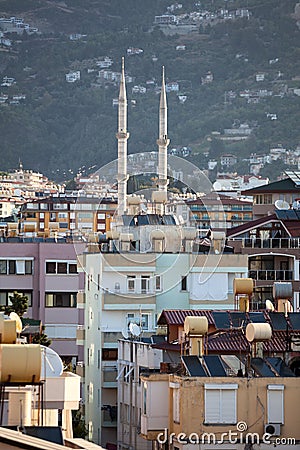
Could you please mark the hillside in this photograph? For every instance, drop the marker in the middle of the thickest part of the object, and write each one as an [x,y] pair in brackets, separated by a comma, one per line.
[60,126]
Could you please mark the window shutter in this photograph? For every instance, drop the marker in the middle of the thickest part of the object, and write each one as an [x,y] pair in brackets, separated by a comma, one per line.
[275,404]
[212,406]
[228,402]
[176,405]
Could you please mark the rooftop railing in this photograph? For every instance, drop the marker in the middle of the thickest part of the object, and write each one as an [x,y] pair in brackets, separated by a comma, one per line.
[268,243]
[271,275]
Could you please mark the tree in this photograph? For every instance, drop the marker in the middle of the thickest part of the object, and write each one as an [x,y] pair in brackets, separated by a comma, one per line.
[19,304]
[41,338]
[79,428]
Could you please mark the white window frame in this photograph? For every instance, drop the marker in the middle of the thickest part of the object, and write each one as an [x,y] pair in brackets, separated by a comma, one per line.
[158,283]
[276,403]
[220,392]
[131,278]
[145,280]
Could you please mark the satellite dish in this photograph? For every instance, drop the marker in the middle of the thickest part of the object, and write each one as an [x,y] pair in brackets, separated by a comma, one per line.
[134,329]
[19,325]
[269,306]
[52,365]
[125,333]
[217,186]
[281,204]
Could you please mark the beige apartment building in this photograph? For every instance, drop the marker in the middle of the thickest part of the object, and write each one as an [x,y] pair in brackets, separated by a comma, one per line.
[204,412]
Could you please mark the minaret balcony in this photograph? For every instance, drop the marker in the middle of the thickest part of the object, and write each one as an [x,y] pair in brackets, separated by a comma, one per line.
[163,142]
[122,135]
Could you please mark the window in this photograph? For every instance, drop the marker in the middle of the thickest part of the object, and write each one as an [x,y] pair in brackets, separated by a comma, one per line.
[28,267]
[3,267]
[158,283]
[183,283]
[109,354]
[141,320]
[275,403]
[18,266]
[60,300]
[11,267]
[220,403]
[145,398]
[72,268]
[62,215]
[50,267]
[61,267]
[5,297]
[145,283]
[131,283]
[60,206]
[176,403]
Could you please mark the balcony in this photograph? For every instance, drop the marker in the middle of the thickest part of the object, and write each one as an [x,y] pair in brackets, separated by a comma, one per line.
[80,335]
[122,299]
[109,375]
[293,243]
[80,369]
[109,416]
[271,275]
[80,299]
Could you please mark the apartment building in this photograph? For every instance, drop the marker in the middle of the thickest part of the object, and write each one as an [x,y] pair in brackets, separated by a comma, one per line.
[242,393]
[218,211]
[272,244]
[124,287]
[62,215]
[46,272]
[152,358]
[265,198]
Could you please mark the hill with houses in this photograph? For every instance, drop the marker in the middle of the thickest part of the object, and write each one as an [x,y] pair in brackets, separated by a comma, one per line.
[233,82]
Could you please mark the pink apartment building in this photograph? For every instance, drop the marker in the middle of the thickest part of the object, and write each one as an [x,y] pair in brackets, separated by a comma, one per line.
[46,272]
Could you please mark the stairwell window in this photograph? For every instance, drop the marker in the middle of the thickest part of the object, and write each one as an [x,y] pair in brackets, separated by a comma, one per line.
[158,286]
[184,283]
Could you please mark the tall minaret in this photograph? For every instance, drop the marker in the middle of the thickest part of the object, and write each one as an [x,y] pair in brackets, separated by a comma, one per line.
[163,140]
[122,137]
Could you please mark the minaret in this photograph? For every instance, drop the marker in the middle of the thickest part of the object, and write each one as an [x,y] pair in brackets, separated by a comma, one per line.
[163,140]
[122,137]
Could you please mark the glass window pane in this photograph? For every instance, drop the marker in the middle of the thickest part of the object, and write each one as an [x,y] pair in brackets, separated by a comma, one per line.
[28,267]
[50,267]
[72,268]
[11,267]
[3,267]
[62,267]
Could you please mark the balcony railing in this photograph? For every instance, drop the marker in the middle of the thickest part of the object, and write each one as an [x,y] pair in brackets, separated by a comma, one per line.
[269,243]
[271,275]
[109,416]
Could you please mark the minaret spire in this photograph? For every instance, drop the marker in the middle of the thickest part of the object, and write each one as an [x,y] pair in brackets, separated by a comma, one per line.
[122,136]
[163,140]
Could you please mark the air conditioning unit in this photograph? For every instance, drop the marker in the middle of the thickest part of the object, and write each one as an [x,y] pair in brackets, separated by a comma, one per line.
[273,428]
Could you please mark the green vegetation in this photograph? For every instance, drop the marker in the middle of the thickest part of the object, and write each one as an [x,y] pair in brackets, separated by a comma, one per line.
[62,126]
[19,304]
